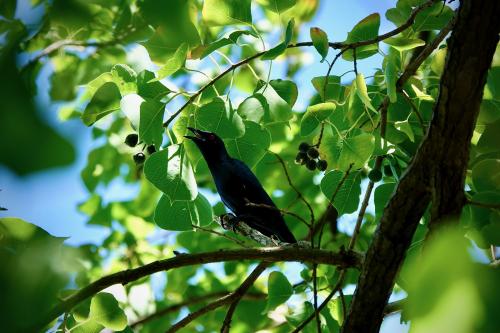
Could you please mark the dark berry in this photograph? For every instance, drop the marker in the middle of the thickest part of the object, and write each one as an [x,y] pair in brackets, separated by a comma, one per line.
[313,152]
[303,147]
[151,149]
[301,157]
[131,140]
[311,165]
[139,158]
[322,165]
[375,175]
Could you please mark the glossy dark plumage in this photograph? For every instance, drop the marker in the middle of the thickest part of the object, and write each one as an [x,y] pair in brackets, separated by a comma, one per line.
[239,188]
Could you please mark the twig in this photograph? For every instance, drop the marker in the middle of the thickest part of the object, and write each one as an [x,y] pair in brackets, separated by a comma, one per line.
[315,296]
[484,204]
[195,300]
[395,306]
[232,239]
[240,292]
[337,189]
[415,109]
[342,301]
[285,212]
[299,194]
[355,61]
[322,305]
[235,296]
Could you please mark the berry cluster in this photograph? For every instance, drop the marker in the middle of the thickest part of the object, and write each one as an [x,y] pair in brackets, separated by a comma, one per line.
[309,156]
[132,140]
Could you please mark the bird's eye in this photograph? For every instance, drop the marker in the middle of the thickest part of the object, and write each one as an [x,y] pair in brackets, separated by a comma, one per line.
[211,137]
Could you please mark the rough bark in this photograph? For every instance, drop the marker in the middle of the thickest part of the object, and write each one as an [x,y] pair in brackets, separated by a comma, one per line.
[437,171]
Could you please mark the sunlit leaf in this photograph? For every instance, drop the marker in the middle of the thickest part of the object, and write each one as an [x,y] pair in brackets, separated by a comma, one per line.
[314,115]
[279,290]
[347,197]
[281,47]
[182,214]
[216,117]
[171,173]
[404,43]
[356,151]
[104,309]
[174,63]
[226,12]
[106,100]
[320,41]
[252,146]
[365,29]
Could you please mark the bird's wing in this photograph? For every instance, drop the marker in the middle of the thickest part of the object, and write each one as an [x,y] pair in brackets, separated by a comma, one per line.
[252,189]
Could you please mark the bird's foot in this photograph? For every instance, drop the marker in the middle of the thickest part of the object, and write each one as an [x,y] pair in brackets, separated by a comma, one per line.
[229,221]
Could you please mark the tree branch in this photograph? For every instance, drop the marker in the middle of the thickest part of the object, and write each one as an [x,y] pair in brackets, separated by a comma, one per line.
[233,297]
[290,253]
[409,71]
[240,292]
[195,300]
[442,156]
[334,45]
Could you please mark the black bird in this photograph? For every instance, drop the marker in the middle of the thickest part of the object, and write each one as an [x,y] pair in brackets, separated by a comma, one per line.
[239,188]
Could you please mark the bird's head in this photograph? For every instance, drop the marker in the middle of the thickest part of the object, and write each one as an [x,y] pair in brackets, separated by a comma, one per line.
[209,143]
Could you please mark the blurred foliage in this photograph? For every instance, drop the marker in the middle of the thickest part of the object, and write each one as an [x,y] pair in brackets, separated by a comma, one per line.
[91,49]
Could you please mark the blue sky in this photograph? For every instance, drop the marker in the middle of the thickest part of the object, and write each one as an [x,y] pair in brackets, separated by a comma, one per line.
[49,198]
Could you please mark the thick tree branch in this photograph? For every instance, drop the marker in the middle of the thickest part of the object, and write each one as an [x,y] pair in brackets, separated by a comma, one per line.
[274,254]
[442,156]
[409,71]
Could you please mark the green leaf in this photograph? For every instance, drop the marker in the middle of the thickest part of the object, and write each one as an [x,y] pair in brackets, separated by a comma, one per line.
[95,84]
[125,79]
[486,175]
[8,8]
[104,309]
[281,47]
[286,89]
[347,198]
[131,106]
[404,43]
[391,72]
[105,101]
[279,110]
[362,91]
[148,88]
[180,215]
[254,108]
[320,41]
[314,115]
[216,117]
[33,272]
[382,194]
[405,127]
[226,12]
[174,63]
[333,88]
[173,27]
[356,150]
[278,6]
[151,122]
[279,290]
[252,146]
[171,173]
[433,18]
[365,29]
[337,308]
[89,326]
[488,142]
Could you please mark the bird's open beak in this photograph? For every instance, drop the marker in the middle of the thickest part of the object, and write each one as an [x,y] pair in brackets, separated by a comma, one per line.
[197,135]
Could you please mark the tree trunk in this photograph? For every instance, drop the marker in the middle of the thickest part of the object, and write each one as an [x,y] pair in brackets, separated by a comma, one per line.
[438,169]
